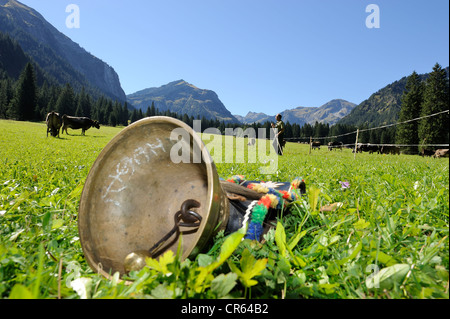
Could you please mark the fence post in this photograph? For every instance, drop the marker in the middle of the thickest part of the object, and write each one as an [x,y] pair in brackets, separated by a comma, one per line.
[356,142]
[310,144]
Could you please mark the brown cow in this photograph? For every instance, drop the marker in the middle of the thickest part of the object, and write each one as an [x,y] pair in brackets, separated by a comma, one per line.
[315,145]
[54,123]
[76,123]
[441,153]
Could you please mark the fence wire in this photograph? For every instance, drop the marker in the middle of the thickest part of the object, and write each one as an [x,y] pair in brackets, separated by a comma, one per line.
[376,128]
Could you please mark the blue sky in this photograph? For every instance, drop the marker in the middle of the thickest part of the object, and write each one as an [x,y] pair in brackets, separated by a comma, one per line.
[260,55]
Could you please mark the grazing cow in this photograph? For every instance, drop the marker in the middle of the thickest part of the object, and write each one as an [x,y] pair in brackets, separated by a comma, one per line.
[368,148]
[54,123]
[76,123]
[441,153]
[427,152]
[361,148]
[315,145]
[387,149]
[374,148]
[332,145]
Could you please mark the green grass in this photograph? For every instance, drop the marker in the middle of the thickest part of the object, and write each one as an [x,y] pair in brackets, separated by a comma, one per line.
[392,228]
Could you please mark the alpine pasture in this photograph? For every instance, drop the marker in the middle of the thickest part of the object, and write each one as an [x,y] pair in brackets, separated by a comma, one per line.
[374,226]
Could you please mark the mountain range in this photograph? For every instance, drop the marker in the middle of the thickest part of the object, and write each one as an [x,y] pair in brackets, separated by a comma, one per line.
[60,57]
[184,98]
[330,113]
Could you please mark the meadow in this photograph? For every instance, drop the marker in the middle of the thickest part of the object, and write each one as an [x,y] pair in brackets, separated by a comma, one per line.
[386,239]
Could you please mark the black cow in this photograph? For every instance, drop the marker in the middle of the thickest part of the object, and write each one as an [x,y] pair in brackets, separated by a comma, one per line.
[332,145]
[427,152]
[54,123]
[389,149]
[76,123]
[367,148]
[315,145]
[374,148]
[361,148]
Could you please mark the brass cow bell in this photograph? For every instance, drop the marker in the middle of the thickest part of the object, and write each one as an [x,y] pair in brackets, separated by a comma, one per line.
[136,194]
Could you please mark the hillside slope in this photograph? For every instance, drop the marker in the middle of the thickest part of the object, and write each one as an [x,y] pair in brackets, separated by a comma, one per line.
[382,107]
[55,53]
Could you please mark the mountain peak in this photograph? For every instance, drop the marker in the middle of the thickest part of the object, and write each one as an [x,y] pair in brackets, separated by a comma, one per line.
[9,3]
[17,6]
[183,98]
[183,82]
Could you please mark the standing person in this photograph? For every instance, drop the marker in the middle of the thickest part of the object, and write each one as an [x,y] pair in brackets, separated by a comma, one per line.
[279,137]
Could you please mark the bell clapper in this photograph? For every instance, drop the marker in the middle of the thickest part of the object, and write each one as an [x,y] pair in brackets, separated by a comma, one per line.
[136,260]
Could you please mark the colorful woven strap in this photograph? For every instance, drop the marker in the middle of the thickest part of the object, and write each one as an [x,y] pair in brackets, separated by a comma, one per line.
[273,198]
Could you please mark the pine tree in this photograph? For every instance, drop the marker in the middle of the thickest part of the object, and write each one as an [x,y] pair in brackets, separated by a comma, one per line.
[148,112]
[42,101]
[25,98]
[295,130]
[124,115]
[434,130]
[96,113]
[412,99]
[108,112]
[112,119]
[6,94]
[134,116]
[66,101]
[84,104]
[307,130]
[153,109]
